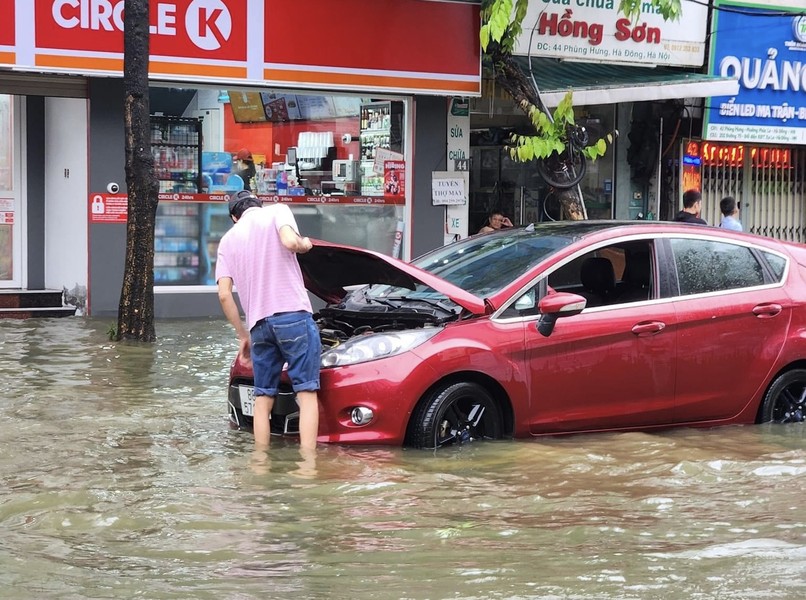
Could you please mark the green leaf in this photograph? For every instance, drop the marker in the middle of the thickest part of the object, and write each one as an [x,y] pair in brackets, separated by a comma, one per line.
[601,146]
[484,34]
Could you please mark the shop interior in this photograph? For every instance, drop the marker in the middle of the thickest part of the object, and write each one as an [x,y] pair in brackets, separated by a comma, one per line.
[498,183]
[332,151]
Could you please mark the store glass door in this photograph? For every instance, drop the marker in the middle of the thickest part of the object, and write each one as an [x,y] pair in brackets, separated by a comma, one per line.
[10,193]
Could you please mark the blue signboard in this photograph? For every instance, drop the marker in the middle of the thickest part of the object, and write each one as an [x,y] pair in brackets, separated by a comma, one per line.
[765,49]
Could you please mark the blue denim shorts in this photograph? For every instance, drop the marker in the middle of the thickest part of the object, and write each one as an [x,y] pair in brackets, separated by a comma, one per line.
[291,338]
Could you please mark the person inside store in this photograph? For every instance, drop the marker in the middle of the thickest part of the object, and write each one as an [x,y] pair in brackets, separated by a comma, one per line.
[692,207]
[246,168]
[495,221]
[258,255]
[730,214]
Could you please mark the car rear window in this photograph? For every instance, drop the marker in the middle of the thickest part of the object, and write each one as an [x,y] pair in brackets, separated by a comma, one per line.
[708,266]
[776,263]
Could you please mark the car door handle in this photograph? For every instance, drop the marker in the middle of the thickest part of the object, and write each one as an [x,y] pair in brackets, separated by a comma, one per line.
[648,328]
[767,310]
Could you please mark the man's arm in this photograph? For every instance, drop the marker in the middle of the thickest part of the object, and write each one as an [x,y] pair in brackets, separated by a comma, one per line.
[230,309]
[292,240]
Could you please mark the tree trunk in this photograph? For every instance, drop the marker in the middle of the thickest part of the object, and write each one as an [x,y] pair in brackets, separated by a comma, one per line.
[136,309]
[511,77]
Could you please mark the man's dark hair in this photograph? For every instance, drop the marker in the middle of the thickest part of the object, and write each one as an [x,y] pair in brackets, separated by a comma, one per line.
[727,205]
[690,198]
[242,200]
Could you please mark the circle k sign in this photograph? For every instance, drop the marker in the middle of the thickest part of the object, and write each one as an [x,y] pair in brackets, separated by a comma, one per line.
[208,23]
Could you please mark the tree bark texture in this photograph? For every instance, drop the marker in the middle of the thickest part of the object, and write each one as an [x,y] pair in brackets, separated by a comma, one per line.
[136,309]
[512,79]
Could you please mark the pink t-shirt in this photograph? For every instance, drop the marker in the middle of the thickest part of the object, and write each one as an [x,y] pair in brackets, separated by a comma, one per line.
[265,273]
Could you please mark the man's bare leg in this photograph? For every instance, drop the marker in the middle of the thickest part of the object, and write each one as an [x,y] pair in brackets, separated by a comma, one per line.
[260,421]
[308,418]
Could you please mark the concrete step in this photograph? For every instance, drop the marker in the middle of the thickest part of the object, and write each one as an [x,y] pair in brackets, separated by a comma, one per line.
[25,304]
[38,312]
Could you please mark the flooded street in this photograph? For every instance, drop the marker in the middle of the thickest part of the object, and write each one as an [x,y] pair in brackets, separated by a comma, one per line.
[121,478]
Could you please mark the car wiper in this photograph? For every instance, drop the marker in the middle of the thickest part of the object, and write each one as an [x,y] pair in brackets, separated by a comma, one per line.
[436,304]
[381,301]
[370,299]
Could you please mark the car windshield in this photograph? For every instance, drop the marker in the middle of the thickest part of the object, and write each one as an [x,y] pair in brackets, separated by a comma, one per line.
[484,264]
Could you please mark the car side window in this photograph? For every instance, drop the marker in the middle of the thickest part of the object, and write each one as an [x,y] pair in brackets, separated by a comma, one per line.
[707,266]
[618,274]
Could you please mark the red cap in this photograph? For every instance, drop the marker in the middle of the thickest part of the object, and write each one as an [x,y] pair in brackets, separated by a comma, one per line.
[243,154]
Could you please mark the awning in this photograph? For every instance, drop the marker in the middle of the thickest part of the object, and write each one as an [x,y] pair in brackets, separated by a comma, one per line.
[599,83]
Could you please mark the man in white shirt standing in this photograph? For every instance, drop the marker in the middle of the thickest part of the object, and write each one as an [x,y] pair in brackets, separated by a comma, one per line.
[730,214]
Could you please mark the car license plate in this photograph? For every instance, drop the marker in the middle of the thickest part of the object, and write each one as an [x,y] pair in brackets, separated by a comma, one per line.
[247,394]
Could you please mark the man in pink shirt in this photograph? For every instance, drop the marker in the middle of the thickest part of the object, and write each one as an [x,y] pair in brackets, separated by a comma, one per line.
[258,256]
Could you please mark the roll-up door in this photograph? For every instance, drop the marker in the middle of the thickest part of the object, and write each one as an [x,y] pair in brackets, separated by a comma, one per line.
[54,86]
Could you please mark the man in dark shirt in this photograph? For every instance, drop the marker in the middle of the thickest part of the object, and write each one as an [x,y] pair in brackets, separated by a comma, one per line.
[692,205]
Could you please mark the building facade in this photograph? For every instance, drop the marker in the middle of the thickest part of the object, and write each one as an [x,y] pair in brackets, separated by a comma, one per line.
[329,108]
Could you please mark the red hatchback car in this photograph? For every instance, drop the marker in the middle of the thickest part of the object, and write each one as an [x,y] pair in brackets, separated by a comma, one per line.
[563,327]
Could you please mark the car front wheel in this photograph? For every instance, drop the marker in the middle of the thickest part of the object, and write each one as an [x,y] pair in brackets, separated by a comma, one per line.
[785,401]
[454,414]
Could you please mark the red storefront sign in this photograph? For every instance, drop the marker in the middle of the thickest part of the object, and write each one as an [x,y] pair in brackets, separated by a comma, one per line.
[109,208]
[391,45]
[7,24]
[209,35]
[350,200]
[375,43]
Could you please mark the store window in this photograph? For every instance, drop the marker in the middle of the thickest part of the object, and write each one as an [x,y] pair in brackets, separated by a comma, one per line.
[337,160]
[6,187]
[499,183]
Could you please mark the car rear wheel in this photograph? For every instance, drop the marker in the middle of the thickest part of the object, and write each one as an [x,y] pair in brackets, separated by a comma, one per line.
[455,414]
[785,401]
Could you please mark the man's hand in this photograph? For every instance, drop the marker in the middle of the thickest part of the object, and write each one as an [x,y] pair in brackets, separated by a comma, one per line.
[506,222]
[246,351]
[305,245]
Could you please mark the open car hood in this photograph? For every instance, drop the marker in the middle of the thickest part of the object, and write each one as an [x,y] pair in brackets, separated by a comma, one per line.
[327,268]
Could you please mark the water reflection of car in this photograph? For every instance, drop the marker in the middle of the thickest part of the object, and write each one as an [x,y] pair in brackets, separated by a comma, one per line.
[559,328]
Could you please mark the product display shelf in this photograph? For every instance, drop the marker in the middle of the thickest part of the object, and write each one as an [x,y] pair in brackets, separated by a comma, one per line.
[176,244]
[176,144]
[381,128]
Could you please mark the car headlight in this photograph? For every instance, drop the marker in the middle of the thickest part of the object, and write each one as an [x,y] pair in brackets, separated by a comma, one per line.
[375,345]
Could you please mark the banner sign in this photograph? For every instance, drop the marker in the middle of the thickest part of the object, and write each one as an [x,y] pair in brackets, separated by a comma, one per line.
[765,49]
[458,136]
[598,32]
[114,208]
[394,178]
[350,44]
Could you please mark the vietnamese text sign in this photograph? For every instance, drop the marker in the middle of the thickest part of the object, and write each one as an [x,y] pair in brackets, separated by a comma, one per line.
[765,49]
[105,208]
[601,33]
[447,188]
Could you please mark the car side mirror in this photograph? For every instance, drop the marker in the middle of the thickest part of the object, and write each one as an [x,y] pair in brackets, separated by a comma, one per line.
[556,305]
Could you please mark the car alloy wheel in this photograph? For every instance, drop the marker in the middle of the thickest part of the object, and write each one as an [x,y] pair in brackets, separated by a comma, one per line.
[455,414]
[785,401]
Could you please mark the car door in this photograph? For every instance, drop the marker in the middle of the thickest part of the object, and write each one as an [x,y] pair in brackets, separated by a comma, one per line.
[733,316]
[611,366]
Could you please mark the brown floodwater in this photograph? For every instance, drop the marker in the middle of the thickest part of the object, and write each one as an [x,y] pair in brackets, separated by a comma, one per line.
[121,478]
